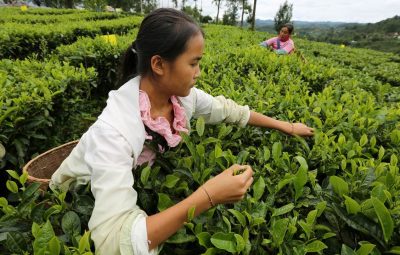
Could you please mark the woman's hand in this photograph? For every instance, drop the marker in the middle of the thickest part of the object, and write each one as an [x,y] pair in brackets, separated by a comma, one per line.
[301,129]
[231,185]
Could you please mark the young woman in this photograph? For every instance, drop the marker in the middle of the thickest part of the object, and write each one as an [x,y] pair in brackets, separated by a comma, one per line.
[281,44]
[158,98]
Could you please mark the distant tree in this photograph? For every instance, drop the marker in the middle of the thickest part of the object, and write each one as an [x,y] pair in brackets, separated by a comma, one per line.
[206,19]
[246,8]
[232,13]
[193,12]
[283,16]
[253,16]
[218,4]
[95,5]
[125,5]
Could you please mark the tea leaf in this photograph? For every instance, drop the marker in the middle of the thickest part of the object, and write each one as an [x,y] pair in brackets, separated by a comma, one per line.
[352,206]
[346,250]
[339,185]
[239,216]
[315,246]
[204,239]
[71,223]
[200,124]
[12,186]
[13,174]
[224,241]
[240,243]
[279,229]
[145,175]
[171,181]
[385,219]
[365,249]
[283,210]
[258,188]
[54,246]
[164,202]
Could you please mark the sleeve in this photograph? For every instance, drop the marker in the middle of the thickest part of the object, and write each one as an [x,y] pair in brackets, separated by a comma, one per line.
[271,41]
[219,109]
[139,241]
[110,159]
[263,44]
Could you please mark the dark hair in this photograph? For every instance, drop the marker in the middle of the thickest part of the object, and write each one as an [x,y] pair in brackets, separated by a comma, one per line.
[288,26]
[164,32]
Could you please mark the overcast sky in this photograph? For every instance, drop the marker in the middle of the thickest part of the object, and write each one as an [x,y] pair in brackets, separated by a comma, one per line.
[363,11]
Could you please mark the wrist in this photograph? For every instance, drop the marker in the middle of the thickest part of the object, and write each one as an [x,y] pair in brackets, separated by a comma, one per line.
[208,197]
[290,128]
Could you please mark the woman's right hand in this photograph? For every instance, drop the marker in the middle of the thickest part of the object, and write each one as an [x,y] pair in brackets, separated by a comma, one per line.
[230,186]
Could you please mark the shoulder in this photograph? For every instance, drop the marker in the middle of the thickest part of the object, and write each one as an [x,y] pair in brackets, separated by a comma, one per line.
[273,39]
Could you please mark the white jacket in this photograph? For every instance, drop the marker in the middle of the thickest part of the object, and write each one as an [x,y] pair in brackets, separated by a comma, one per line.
[107,153]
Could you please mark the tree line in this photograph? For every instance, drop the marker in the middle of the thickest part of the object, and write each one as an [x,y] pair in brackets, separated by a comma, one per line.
[237,12]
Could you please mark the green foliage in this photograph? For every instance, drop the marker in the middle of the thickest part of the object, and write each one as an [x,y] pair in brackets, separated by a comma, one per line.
[33,96]
[335,193]
[39,222]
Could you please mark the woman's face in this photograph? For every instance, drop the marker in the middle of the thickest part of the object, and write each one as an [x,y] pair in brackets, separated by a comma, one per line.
[284,34]
[181,74]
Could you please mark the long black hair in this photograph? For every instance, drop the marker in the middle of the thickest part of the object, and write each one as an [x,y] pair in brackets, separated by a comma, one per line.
[289,26]
[164,32]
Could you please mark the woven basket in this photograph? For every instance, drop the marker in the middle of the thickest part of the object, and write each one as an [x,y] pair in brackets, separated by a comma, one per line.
[41,168]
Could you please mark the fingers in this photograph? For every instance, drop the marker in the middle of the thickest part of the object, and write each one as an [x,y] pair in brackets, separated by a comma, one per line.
[303,130]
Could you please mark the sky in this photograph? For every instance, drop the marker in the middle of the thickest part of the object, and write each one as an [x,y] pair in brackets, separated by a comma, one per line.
[362,11]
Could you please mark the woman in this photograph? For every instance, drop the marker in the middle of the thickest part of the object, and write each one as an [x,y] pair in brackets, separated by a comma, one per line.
[281,44]
[158,98]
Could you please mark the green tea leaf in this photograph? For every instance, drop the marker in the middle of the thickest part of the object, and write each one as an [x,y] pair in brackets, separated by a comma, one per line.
[54,246]
[200,124]
[12,186]
[352,206]
[363,140]
[283,210]
[164,202]
[394,250]
[240,243]
[84,242]
[346,250]
[224,241]
[170,181]
[315,246]
[385,219]
[144,176]
[204,239]
[13,174]
[279,229]
[365,249]
[339,185]
[258,188]
[71,223]
[190,214]
[239,216]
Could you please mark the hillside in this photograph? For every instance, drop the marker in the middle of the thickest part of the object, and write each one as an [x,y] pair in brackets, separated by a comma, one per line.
[382,36]
[334,193]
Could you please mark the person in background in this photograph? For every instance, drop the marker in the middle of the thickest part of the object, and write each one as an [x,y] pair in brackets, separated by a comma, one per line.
[281,44]
[155,103]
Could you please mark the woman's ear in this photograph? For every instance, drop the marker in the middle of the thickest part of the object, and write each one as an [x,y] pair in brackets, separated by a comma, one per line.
[157,65]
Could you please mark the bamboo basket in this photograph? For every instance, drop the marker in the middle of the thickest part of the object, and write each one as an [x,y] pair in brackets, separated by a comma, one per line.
[41,168]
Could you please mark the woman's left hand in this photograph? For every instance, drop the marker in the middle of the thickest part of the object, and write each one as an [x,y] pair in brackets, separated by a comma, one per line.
[301,129]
